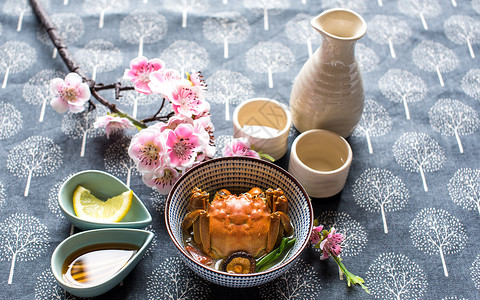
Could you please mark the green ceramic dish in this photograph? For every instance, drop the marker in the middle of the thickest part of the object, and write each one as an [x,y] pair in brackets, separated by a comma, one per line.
[139,238]
[103,186]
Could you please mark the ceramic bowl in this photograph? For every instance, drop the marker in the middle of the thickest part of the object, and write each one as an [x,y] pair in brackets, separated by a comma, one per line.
[139,238]
[103,185]
[266,123]
[239,174]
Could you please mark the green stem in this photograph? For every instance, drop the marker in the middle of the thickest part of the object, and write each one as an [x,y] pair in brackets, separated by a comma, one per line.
[271,257]
[351,278]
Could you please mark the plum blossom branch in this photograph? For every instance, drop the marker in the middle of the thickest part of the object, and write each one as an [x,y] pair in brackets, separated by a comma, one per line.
[74,67]
[329,242]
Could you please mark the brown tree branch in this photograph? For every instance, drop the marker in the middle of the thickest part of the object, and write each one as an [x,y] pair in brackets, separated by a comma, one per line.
[72,66]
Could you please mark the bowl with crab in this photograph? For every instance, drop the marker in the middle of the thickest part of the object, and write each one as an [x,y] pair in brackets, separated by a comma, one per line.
[238,221]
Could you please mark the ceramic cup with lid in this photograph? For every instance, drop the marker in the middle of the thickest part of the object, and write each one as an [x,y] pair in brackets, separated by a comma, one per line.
[320,159]
[266,123]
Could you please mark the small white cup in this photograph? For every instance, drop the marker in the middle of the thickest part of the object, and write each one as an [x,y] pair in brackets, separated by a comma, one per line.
[266,123]
[320,159]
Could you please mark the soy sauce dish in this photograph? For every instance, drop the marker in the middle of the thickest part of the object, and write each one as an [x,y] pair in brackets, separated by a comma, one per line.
[103,185]
[92,262]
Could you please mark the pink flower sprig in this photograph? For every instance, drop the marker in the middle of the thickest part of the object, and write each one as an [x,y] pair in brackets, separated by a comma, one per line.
[242,147]
[329,241]
[113,124]
[69,94]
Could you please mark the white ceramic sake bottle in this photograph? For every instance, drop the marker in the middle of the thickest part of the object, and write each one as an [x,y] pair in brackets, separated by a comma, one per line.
[328,91]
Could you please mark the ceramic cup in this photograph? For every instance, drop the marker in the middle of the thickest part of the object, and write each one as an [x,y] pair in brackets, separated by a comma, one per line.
[266,123]
[320,159]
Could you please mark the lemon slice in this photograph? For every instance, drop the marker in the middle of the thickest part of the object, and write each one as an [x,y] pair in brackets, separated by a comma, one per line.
[89,207]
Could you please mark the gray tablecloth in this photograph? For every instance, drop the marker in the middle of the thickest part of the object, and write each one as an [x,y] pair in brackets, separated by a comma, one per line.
[411,234]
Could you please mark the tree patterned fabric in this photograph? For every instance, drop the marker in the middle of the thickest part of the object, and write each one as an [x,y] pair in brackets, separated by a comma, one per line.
[410,211]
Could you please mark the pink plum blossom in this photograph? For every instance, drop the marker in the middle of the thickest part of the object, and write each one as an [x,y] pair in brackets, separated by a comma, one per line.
[162,179]
[240,147]
[196,78]
[69,94]
[148,150]
[163,81]
[183,144]
[331,244]
[113,124]
[188,100]
[316,235]
[140,70]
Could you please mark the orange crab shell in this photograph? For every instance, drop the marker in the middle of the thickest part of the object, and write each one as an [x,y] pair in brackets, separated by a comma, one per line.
[239,223]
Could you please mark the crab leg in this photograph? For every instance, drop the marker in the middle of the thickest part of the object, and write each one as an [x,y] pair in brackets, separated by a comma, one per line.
[203,227]
[281,204]
[273,232]
[198,200]
[191,218]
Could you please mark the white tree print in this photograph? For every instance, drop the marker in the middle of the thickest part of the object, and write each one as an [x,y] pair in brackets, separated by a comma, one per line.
[389,30]
[158,201]
[300,282]
[451,117]
[418,153]
[432,56]
[172,279]
[37,90]
[270,58]
[395,276]
[266,8]
[420,9]
[22,238]
[99,56]
[47,288]
[471,83]
[464,188]
[11,120]
[230,88]
[358,6]
[103,6]
[401,86]
[436,232]
[3,195]
[379,190]
[220,142]
[117,160]
[462,29]
[475,272]
[136,99]
[15,56]
[375,121]
[185,7]
[143,27]
[20,8]
[299,31]
[185,55]
[34,157]
[226,28]
[53,202]
[454,297]
[80,125]
[367,59]
[476,5]
[153,243]
[70,27]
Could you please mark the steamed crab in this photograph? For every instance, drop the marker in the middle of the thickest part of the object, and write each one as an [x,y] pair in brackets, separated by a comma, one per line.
[234,227]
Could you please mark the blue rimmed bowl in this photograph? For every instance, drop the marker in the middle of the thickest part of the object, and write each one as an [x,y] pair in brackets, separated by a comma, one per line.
[103,185]
[139,238]
[239,174]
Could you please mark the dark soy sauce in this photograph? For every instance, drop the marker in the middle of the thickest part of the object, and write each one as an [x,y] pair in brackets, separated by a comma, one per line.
[96,263]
